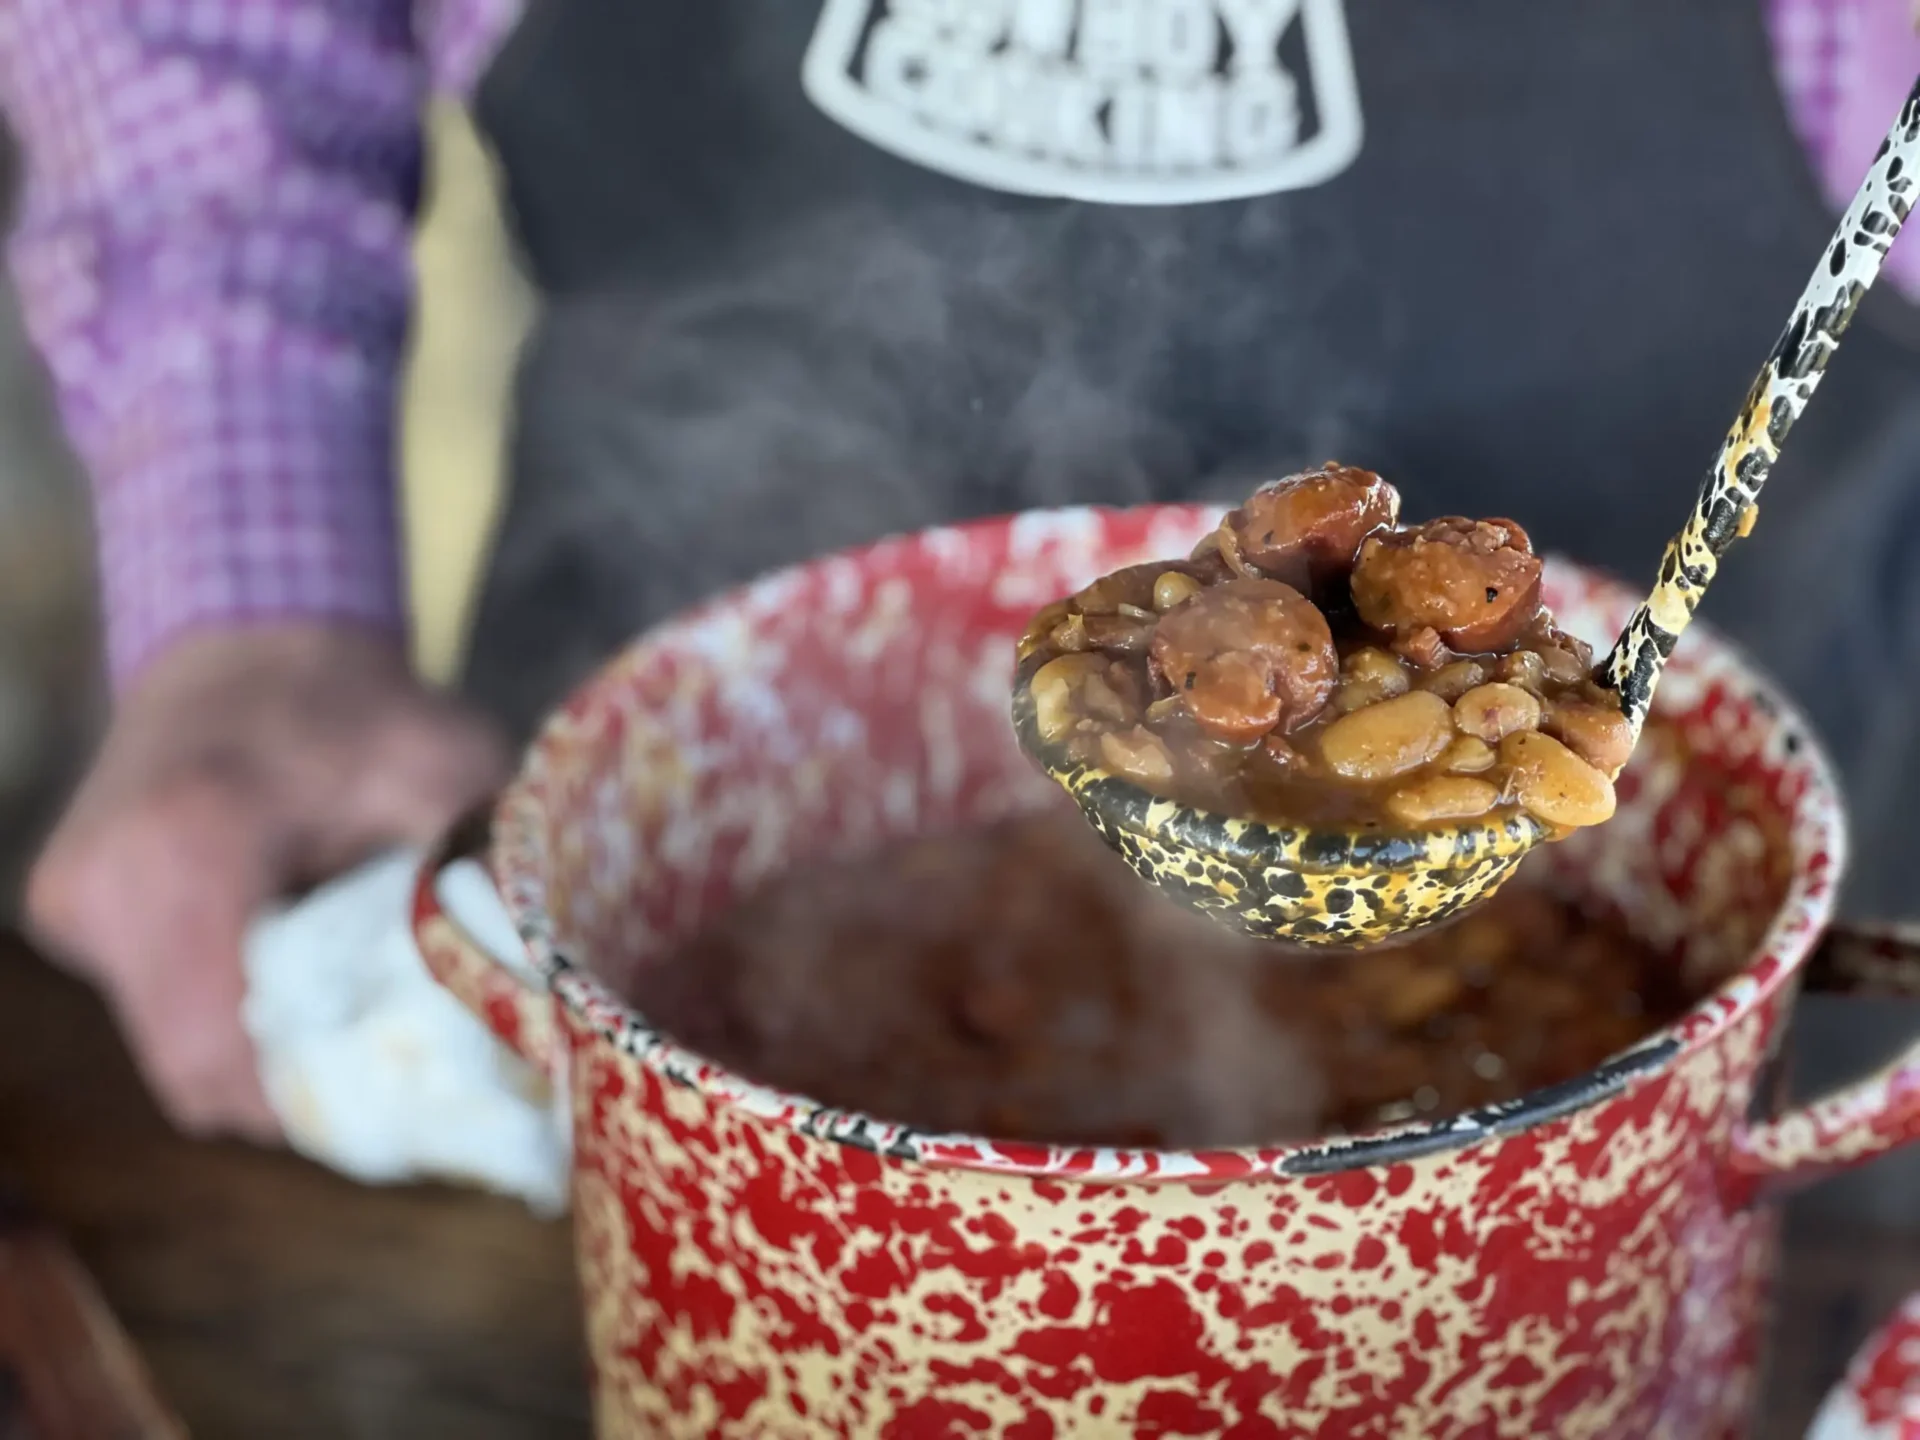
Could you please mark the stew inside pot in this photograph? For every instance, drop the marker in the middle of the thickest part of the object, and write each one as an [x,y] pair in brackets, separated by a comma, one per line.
[1018,981]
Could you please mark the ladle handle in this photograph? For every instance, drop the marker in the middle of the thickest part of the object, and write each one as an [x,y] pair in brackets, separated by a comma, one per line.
[1780,393]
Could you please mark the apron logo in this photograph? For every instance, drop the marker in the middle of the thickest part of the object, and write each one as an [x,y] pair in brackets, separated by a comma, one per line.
[1123,102]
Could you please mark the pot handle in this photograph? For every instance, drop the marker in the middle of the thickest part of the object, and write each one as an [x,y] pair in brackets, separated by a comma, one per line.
[513,1007]
[1858,1121]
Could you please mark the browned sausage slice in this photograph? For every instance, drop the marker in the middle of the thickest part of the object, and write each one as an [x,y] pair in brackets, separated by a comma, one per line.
[1475,582]
[1246,656]
[1306,529]
[1115,613]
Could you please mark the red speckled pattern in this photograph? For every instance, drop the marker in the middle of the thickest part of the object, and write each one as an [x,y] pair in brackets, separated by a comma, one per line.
[520,1015]
[757,1265]
[1880,1397]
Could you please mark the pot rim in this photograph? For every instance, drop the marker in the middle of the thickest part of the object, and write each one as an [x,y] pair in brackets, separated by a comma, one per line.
[1817,842]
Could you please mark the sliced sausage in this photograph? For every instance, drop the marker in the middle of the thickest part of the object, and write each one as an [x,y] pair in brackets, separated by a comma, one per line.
[1475,583]
[1246,656]
[1116,612]
[1306,529]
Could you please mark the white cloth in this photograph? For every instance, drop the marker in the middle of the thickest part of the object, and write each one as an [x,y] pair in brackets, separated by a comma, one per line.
[372,1067]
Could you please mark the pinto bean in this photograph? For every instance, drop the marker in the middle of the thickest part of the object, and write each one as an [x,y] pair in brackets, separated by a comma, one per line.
[1442,797]
[1069,637]
[1388,739]
[1306,529]
[1367,677]
[1118,634]
[1132,586]
[1069,691]
[1172,587]
[1042,628]
[1493,712]
[1467,756]
[1553,783]
[1056,688]
[1352,695]
[1139,755]
[1476,583]
[1376,667]
[1598,734]
[1453,680]
[1163,709]
[1421,992]
[1110,694]
[1246,656]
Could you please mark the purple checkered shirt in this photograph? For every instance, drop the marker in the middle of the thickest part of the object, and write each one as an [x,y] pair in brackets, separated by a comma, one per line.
[213,258]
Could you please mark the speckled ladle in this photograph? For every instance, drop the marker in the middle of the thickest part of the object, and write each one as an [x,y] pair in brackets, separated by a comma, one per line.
[1338,887]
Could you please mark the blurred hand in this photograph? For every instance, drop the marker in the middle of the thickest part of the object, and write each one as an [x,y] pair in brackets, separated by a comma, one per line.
[239,766]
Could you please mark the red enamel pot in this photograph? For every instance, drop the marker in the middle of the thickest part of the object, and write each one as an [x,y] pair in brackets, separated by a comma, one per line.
[1587,1262]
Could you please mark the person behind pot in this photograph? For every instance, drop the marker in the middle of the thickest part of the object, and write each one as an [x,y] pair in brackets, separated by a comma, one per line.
[816,272]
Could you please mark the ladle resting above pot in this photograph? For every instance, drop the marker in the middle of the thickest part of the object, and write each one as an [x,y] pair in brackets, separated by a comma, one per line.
[1324,882]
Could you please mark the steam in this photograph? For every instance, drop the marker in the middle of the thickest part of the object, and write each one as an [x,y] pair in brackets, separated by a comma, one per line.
[874,371]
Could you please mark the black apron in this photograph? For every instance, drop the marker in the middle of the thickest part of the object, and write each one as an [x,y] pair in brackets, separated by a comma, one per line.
[1539,286]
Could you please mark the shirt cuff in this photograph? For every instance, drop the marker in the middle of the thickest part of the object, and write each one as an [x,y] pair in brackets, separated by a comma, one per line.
[247,477]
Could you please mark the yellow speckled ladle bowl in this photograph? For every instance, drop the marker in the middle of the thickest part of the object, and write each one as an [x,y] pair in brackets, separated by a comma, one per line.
[1309,886]
[1343,887]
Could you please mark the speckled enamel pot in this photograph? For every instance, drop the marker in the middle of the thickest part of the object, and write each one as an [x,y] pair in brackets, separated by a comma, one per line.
[1879,1399]
[1588,1262]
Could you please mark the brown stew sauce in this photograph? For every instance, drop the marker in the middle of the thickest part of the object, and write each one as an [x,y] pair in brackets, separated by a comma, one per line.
[1017,981]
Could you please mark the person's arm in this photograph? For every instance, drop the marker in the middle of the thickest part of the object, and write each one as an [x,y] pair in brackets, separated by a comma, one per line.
[212,256]
[213,260]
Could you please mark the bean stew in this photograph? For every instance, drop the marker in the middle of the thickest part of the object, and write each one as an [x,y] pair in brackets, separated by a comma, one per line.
[1315,662]
[1015,980]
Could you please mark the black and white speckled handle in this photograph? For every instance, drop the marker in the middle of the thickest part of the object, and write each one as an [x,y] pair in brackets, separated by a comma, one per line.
[1779,395]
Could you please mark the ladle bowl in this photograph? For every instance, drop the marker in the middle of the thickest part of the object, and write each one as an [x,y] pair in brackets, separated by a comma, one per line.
[1313,886]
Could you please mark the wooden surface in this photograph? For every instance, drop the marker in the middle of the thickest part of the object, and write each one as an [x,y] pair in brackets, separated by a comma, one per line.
[271,1298]
[268,1297]
[68,1370]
